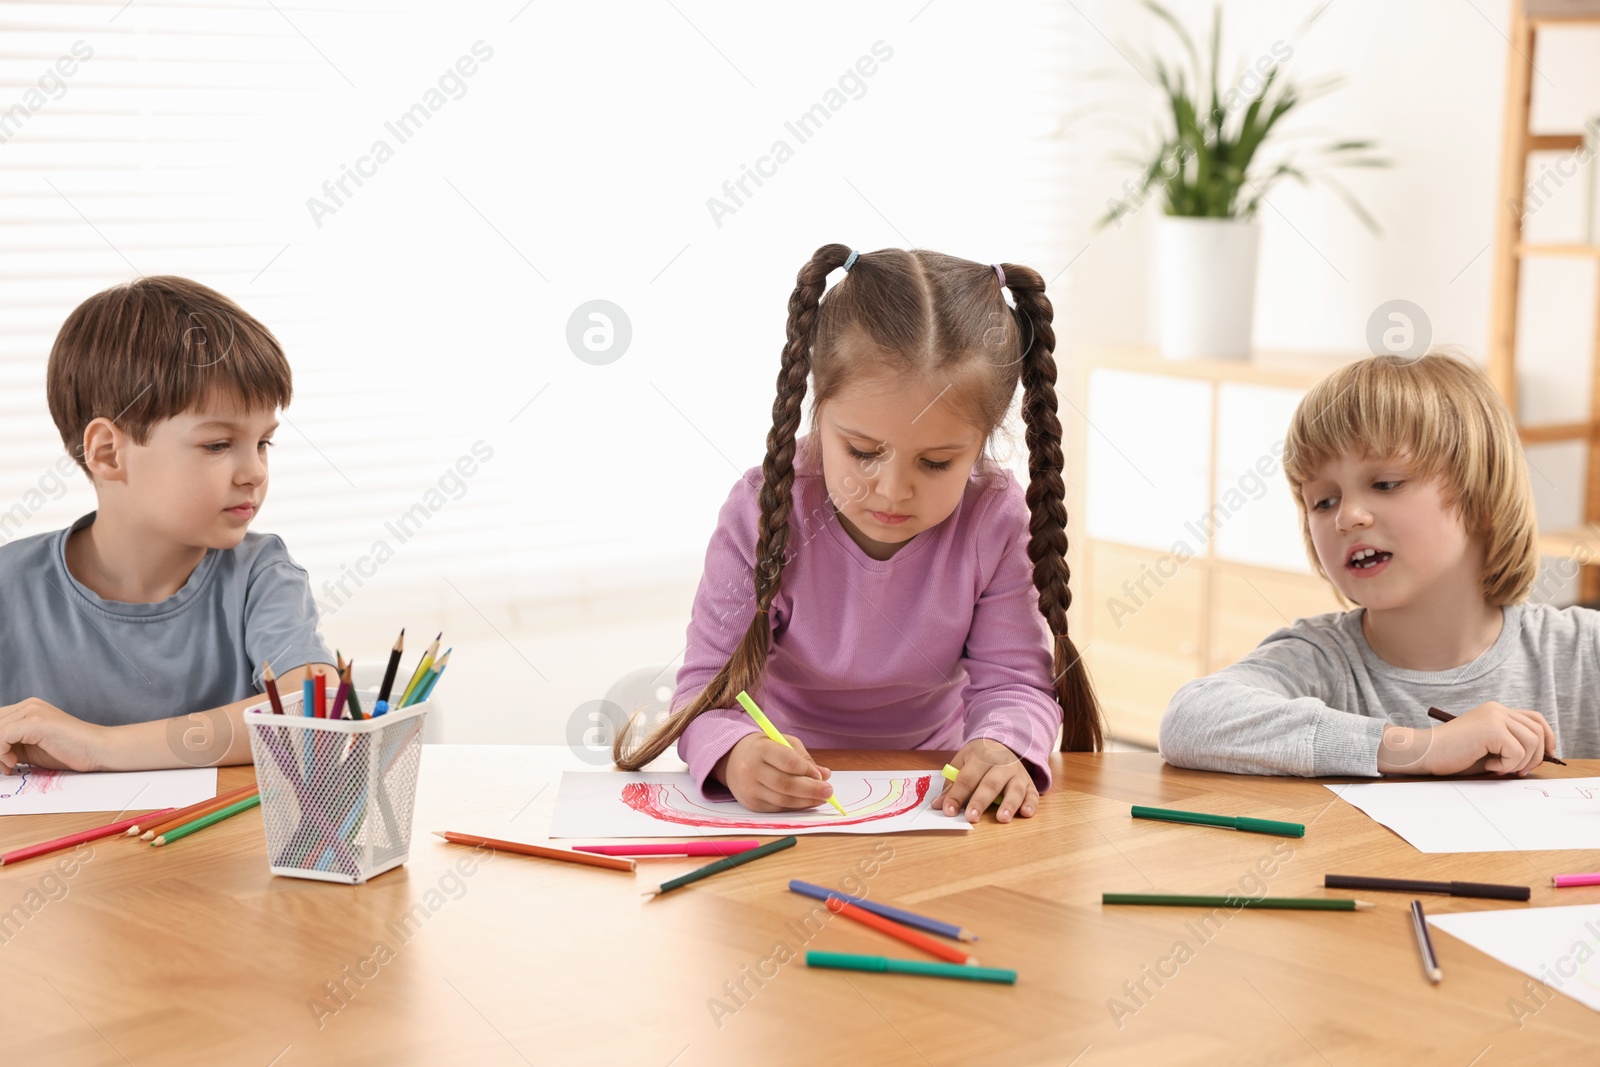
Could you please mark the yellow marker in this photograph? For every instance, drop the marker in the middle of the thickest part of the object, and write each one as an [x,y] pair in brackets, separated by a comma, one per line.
[772,732]
[950,772]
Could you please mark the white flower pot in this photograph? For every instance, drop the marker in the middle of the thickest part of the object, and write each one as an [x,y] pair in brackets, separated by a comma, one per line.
[1206,286]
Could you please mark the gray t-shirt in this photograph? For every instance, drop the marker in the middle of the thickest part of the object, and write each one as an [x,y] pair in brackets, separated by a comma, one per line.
[1313,699]
[112,663]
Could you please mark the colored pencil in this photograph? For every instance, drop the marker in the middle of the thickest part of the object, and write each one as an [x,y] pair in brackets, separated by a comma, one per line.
[1484,890]
[421,672]
[269,682]
[1230,822]
[845,961]
[610,863]
[1430,959]
[1445,716]
[394,665]
[673,848]
[355,702]
[340,696]
[208,820]
[772,733]
[1563,881]
[320,694]
[904,933]
[172,820]
[429,680]
[1178,900]
[724,864]
[433,678]
[899,915]
[59,843]
[308,698]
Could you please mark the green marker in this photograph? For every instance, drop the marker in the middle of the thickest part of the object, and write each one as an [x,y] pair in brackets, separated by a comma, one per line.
[772,733]
[1176,900]
[846,961]
[1231,822]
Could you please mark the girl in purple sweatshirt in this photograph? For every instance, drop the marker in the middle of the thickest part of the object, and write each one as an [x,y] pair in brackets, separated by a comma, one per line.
[881,582]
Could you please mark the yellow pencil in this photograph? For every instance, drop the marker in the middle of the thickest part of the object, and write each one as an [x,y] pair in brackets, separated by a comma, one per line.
[421,672]
[772,732]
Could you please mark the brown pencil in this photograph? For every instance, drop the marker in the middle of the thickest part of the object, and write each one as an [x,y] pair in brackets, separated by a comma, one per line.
[269,681]
[1445,716]
[195,811]
[611,863]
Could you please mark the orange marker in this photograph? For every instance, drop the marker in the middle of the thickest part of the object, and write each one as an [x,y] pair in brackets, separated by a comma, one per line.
[894,929]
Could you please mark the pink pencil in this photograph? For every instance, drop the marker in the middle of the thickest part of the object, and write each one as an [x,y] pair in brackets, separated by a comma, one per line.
[673,848]
[1562,881]
[79,838]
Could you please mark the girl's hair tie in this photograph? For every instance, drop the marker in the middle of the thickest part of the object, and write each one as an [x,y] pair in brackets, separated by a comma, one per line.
[851,261]
[999,272]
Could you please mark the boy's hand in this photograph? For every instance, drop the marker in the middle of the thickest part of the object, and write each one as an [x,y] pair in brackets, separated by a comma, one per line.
[989,770]
[765,776]
[1491,737]
[43,735]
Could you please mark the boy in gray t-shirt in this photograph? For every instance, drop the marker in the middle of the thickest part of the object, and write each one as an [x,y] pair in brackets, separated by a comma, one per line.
[1415,503]
[135,638]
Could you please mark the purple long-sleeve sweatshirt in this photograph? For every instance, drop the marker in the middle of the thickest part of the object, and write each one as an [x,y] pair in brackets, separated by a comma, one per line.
[939,644]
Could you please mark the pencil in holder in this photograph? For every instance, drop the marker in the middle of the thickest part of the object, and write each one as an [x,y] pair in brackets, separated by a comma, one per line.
[337,795]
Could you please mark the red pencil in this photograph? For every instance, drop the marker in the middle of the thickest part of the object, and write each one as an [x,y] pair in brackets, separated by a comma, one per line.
[78,838]
[894,929]
[673,848]
[319,697]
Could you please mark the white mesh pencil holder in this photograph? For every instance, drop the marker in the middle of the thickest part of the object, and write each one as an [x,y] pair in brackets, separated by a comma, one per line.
[337,795]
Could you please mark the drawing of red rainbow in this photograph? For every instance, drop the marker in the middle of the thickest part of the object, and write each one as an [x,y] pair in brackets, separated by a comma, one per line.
[672,804]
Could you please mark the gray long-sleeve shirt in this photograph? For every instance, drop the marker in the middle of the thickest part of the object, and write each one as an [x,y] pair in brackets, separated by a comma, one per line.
[1313,698]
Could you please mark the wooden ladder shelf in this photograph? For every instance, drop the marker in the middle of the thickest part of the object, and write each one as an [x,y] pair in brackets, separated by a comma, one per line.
[1528,19]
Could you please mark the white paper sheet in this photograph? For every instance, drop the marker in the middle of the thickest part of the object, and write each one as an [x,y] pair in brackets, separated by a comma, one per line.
[655,804]
[1504,815]
[40,792]
[1557,946]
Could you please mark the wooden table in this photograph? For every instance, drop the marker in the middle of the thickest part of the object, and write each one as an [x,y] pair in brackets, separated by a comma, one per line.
[195,954]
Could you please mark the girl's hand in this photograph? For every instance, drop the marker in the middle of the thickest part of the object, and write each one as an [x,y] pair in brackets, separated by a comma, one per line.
[1491,737]
[989,770]
[765,776]
[43,735]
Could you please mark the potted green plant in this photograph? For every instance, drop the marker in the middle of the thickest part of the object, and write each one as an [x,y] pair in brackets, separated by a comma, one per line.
[1219,151]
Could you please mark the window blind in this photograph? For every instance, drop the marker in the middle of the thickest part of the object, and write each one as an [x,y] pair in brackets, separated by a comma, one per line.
[420,201]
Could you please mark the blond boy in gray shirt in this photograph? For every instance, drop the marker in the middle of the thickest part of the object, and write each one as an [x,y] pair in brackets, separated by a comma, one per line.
[1415,504]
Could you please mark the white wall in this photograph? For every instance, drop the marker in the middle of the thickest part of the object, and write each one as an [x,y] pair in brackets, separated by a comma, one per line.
[428,310]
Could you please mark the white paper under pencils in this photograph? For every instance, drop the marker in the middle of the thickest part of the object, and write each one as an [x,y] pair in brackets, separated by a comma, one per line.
[1559,947]
[31,791]
[1505,815]
[656,804]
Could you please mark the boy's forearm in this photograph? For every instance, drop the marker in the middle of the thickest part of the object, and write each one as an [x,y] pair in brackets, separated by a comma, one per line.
[211,738]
